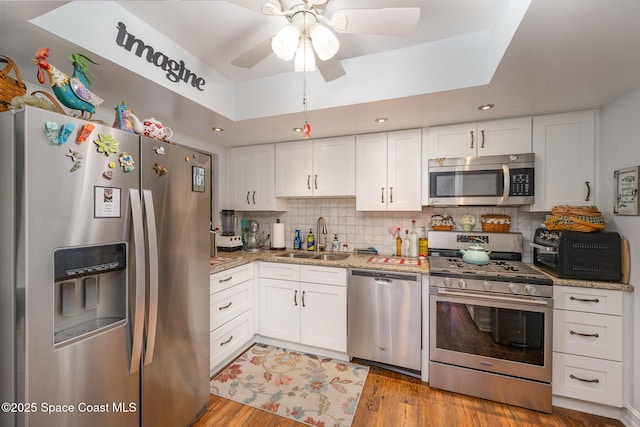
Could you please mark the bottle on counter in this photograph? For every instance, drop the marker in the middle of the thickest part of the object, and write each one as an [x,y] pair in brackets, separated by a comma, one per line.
[335,244]
[413,240]
[398,243]
[311,241]
[405,243]
[297,242]
[423,244]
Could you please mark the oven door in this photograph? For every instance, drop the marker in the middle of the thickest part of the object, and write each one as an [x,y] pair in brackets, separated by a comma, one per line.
[502,334]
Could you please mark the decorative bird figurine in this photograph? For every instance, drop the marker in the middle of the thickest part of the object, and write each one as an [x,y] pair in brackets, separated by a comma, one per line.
[72,92]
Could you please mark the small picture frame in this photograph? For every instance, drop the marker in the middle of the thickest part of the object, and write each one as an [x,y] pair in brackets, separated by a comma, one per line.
[625,193]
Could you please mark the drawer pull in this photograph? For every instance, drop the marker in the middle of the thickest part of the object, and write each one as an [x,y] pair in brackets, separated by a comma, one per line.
[596,335]
[231,302]
[227,341]
[573,377]
[295,297]
[303,298]
[596,300]
[225,280]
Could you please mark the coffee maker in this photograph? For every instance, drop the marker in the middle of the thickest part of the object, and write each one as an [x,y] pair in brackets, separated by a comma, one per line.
[228,241]
[254,238]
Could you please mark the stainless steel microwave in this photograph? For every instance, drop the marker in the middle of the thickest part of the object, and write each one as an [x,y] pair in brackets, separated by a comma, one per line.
[484,180]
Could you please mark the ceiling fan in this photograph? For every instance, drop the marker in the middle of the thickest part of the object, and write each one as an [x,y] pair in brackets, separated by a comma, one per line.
[309,35]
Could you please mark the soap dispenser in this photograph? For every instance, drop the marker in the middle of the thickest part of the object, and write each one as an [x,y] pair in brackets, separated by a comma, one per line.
[335,244]
[297,242]
[311,241]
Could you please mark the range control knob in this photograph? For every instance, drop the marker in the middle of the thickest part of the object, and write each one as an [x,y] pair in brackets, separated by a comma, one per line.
[486,286]
[462,284]
[448,282]
[514,288]
[531,290]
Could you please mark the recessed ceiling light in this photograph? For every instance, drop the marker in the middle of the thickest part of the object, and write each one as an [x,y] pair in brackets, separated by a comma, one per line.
[381,120]
[486,107]
[297,129]
[217,129]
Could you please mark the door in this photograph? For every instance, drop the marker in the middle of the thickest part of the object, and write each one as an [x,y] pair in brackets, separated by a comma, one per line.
[323,316]
[404,173]
[176,361]
[371,172]
[294,169]
[334,166]
[508,136]
[65,202]
[280,309]
[453,140]
[564,145]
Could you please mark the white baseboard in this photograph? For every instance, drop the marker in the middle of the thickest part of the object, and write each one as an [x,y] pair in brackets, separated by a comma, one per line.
[631,417]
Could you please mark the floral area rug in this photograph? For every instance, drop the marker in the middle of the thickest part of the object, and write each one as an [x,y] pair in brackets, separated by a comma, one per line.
[306,388]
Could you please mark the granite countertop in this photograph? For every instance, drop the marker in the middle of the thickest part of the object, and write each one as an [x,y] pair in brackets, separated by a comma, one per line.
[227,260]
[352,261]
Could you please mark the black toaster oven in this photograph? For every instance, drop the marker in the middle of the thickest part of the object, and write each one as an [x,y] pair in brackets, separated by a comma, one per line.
[577,255]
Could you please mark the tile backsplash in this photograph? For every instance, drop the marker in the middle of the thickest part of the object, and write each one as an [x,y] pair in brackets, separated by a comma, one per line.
[361,230]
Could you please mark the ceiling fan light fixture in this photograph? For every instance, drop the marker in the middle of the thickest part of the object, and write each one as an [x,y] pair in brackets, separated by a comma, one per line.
[325,43]
[285,42]
[305,59]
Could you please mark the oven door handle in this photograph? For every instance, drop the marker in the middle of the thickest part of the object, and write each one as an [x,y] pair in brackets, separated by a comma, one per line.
[546,249]
[485,297]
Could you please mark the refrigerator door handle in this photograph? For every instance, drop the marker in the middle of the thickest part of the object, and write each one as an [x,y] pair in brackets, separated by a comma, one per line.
[138,312]
[152,250]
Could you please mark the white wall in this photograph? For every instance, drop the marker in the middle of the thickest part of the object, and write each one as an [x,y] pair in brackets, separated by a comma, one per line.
[619,147]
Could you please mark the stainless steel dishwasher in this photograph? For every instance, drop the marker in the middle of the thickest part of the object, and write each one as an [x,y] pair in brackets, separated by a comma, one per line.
[384,318]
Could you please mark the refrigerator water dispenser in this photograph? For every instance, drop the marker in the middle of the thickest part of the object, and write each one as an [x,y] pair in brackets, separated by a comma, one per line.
[90,290]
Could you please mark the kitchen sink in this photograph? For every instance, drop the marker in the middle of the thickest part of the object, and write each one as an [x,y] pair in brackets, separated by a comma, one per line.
[296,255]
[331,257]
[306,255]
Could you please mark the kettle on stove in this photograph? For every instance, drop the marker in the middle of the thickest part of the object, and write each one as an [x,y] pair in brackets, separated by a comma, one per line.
[475,254]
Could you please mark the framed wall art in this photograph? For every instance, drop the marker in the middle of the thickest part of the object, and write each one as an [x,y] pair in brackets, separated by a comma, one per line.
[625,183]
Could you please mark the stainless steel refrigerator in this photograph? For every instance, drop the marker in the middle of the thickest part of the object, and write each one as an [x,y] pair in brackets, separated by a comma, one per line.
[104,269]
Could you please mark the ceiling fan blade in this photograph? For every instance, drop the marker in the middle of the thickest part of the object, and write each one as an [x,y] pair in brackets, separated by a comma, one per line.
[330,69]
[254,55]
[393,21]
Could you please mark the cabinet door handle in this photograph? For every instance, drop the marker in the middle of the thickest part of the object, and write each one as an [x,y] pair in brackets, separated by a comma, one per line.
[381,194]
[254,197]
[482,145]
[315,181]
[596,335]
[573,377]
[390,194]
[471,139]
[586,199]
[227,341]
[248,198]
[303,298]
[225,280]
[226,306]
[295,297]
[596,300]
[308,182]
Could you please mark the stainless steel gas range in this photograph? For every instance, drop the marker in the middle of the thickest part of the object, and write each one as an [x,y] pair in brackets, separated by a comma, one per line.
[490,325]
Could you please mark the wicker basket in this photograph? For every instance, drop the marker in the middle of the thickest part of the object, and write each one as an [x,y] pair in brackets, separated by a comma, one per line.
[578,211]
[10,87]
[442,227]
[584,224]
[495,223]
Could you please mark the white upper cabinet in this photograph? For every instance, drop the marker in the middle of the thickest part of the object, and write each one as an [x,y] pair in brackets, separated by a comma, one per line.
[252,179]
[388,171]
[507,136]
[322,167]
[564,145]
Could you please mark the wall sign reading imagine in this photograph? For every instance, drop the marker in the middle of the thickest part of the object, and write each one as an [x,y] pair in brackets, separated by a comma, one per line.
[176,70]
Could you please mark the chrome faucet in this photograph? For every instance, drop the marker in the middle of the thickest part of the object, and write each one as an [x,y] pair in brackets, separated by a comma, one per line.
[321,232]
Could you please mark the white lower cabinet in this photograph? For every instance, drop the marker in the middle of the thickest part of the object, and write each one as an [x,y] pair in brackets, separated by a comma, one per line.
[304,304]
[231,322]
[588,344]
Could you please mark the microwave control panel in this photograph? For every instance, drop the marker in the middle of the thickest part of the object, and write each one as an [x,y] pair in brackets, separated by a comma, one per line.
[521,182]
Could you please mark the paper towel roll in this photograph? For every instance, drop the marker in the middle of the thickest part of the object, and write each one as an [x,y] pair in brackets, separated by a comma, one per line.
[277,236]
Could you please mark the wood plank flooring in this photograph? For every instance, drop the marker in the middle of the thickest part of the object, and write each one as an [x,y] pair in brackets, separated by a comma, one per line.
[390,399]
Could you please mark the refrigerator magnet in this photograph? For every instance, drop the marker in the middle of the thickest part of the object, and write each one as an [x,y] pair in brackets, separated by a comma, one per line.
[126,161]
[106,202]
[197,184]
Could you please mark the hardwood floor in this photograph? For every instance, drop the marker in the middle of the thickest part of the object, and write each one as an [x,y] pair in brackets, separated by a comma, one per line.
[390,399]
